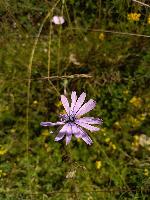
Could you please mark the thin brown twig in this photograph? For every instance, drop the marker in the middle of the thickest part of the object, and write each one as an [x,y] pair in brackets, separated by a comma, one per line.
[54,77]
[93,30]
[147,191]
[141,3]
[116,32]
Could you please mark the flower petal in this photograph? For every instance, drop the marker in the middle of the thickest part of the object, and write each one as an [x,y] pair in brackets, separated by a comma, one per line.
[86,107]
[79,102]
[74,99]
[59,136]
[87,126]
[76,131]
[51,124]
[90,120]
[79,133]
[68,139]
[68,133]
[62,132]
[58,20]
[85,137]
[65,103]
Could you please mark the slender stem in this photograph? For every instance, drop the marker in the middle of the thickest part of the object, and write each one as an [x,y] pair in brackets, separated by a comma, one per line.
[141,3]
[28,89]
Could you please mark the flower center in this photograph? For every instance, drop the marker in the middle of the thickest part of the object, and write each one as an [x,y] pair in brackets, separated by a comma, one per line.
[68,118]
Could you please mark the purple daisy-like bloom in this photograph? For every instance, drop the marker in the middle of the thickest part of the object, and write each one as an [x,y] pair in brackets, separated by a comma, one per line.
[71,121]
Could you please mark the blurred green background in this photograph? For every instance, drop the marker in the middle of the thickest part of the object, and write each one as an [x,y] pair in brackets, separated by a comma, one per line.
[103,49]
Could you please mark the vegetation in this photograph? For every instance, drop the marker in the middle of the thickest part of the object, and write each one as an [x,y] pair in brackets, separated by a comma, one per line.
[102,49]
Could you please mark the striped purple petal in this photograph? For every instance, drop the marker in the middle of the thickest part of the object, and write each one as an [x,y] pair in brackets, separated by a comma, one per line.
[74,99]
[59,136]
[76,131]
[79,102]
[65,103]
[51,124]
[62,132]
[85,137]
[86,107]
[87,126]
[68,133]
[90,120]
[68,139]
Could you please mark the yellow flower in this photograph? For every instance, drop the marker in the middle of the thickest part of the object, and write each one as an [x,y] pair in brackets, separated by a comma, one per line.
[126,92]
[148,20]
[135,146]
[47,147]
[45,133]
[136,137]
[142,116]
[101,36]
[134,121]
[107,140]
[117,124]
[146,172]
[78,140]
[2,173]
[134,16]
[58,104]
[98,164]
[103,130]
[2,151]
[135,143]
[12,130]
[114,147]
[35,102]
[136,101]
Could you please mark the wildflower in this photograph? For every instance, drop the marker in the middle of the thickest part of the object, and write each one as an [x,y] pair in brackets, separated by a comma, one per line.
[104,131]
[134,17]
[45,133]
[101,36]
[2,151]
[148,20]
[135,122]
[71,174]
[113,146]
[58,104]
[136,101]
[117,125]
[107,140]
[1,172]
[72,122]
[98,164]
[126,92]
[73,59]
[135,143]
[35,102]
[144,141]
[146,172]
[58,20]
[142,116]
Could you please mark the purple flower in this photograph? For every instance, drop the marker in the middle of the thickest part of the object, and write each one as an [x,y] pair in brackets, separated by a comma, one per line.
[72,122]
[58,20]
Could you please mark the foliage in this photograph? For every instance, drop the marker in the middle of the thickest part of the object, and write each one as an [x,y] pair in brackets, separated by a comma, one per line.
[33,166]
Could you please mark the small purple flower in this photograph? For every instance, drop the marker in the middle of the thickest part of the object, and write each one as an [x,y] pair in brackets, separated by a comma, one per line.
[58,20]
[72,122]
